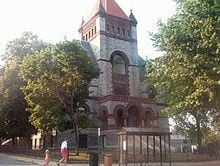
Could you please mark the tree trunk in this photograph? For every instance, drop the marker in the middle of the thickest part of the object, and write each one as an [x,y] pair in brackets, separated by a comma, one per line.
[44,141]
[76,127]
[199,134]
[14,142]
[28,142]
[77,139]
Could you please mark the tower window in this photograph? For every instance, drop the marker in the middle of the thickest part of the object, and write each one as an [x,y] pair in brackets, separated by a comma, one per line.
[107,28]
[129,33]
[113,29]
[95,29]
[86,37]
[89,35]
[92,32]
[123,32]
[118,30]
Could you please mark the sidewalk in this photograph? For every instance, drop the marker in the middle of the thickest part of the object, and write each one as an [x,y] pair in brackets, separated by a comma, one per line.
[38,161]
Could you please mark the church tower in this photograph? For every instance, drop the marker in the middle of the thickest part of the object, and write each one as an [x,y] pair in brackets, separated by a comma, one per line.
[113,39]
[119,97]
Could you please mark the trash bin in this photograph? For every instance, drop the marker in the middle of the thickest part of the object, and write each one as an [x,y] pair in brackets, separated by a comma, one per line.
[93,159]
[108,160]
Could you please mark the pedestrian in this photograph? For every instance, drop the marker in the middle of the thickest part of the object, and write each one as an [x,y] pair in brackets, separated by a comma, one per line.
[47,157]
[63,152]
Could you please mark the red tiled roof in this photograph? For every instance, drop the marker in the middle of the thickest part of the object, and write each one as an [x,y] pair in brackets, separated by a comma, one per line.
[111,7]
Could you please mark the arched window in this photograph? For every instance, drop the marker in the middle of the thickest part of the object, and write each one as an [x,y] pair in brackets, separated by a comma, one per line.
[118,31]
[92,32]
[103,119]
[120,118]
[151,91]
[95,29]
[113,29]
[118,65]
[133,117]
[120,78]
[119,113]
[107,27]
[150,118]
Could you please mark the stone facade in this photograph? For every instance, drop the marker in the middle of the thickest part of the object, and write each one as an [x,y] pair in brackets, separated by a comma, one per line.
[119,97]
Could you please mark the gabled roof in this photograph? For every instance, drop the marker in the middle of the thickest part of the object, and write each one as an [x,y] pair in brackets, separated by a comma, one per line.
[110,7]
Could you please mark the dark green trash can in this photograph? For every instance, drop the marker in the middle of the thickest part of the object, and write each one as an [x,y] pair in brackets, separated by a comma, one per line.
[94,159]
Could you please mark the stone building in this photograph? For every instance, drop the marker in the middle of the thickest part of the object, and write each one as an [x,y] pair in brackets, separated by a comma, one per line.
[181,144]
[119,97]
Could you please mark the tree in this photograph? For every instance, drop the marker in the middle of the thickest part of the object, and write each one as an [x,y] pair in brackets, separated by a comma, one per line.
[188,74]
[27,44]
[14,118]
[62,75]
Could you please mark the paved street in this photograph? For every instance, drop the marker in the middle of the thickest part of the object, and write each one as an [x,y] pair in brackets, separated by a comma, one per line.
[5,161]
[211,163]
[16,160]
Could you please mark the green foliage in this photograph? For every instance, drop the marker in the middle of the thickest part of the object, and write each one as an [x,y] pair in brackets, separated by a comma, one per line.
[14,119]
[85,121]
[211,138]
[188,74]
[61,74]
[50,118]
[211,143]
[58,76]
[27,44]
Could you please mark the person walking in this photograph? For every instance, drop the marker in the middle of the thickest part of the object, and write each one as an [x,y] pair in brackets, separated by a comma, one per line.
[47,157]
[64,153]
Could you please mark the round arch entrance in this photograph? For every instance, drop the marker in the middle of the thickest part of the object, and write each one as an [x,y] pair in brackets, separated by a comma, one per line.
[134,116]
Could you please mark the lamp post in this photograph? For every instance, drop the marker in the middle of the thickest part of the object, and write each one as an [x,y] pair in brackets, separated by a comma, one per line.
[99,133]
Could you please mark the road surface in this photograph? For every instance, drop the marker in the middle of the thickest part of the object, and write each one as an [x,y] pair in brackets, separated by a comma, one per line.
[18,160]
[5,161]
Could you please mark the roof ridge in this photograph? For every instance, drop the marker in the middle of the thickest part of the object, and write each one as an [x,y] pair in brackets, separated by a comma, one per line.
[111,7]
[120,8]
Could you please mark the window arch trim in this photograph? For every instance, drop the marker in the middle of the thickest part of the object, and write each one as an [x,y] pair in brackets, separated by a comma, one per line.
[122,54]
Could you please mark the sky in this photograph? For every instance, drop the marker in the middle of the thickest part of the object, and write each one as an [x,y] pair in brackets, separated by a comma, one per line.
[54,20]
